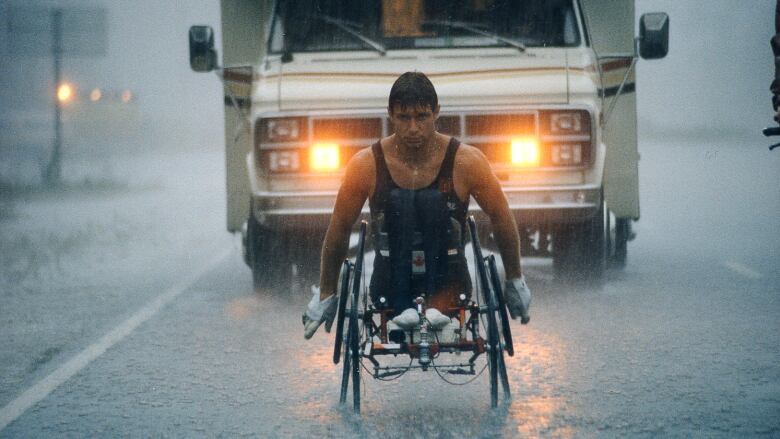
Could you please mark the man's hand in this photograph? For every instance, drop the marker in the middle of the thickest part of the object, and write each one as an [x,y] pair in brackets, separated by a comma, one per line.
[318,311]
[777,115]
[518,298]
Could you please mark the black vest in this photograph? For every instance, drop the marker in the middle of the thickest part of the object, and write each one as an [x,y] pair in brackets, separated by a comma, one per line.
[419,235]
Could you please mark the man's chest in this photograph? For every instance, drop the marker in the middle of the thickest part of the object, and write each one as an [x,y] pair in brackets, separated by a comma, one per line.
[413,177]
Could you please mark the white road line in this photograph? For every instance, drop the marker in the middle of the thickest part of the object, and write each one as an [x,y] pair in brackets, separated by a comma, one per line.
[743,270]
[44,387]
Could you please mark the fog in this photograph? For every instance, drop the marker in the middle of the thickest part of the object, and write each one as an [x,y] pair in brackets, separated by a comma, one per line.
[718,71]
[127,309]
[714,80]
[147,53]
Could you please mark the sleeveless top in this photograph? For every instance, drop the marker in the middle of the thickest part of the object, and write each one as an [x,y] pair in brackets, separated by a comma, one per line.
[418,235]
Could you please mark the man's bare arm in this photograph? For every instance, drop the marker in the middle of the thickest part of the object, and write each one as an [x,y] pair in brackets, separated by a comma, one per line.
[352,195]
[487,191]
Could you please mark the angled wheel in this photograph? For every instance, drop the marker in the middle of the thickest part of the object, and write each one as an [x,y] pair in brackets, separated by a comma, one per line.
[346,270]
[503,315]
[506,330]
[350,349]
[494,351]
[494,348]
[353,340]
[502,374]
[353,343]
[351,365]
[345,369]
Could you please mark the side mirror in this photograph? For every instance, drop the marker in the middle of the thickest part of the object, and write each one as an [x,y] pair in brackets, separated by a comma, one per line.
[654,35]
[203,57]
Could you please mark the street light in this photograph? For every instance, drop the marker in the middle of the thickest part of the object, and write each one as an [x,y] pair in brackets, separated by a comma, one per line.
[64,93]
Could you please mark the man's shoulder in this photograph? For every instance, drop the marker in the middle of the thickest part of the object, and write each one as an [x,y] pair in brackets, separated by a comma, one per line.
[365,156]
[468,155]
[362,163]
[364,153]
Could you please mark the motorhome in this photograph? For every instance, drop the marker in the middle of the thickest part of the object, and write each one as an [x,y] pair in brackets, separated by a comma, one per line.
[546,89]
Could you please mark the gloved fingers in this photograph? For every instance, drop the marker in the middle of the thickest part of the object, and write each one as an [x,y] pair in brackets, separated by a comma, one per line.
[524,317]
[328,324]
[310,327]
[330,313]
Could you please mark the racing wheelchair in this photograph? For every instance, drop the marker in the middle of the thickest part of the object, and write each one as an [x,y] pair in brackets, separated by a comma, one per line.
[364,332]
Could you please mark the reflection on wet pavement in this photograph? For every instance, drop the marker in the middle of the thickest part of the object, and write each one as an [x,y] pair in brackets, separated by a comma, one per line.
[537,406]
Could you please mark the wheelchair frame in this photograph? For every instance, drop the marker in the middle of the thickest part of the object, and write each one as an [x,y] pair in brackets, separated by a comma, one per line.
[365,338]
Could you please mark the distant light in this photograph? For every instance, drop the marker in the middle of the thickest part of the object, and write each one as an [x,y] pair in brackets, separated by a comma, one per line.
[127,96]
[64,92]
[525,152]
[95,95]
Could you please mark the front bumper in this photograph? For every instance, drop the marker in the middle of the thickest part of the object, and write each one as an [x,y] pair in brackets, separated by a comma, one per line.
[530,205]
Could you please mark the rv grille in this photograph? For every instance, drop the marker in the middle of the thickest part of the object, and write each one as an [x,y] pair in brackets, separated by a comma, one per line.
[500,125]
[347,128]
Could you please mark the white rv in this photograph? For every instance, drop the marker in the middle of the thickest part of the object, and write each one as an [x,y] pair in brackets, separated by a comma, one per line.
[545,88]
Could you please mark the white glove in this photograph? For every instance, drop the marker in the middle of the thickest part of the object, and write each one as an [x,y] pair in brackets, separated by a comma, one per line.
[518,298]
[318,311]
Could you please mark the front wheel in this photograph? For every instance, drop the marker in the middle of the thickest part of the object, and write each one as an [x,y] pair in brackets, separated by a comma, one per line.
[619,235]
[579,249]
[267,256]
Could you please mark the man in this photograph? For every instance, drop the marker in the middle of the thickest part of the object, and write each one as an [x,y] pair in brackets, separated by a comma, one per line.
[418,183]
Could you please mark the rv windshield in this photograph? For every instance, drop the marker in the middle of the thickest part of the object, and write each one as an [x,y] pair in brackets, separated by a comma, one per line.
[330,25]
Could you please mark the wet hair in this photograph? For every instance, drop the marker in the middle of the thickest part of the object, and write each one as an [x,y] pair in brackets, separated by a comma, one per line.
[413,89]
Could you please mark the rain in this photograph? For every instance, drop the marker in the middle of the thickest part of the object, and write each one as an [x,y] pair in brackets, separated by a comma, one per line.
[128,301]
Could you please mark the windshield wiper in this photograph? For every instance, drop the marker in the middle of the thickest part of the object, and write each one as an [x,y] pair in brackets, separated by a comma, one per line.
[345,26]
[468,27]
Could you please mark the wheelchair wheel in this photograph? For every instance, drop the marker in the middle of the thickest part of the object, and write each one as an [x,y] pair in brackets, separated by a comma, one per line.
[495,353]
[346,270]
[494,348]
[352,345]
[354,349]
[499,313]
[351,360]
[506,330]
[345,370]
[502,374]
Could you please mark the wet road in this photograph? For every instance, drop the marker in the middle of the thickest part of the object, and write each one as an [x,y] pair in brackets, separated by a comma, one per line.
[174,342]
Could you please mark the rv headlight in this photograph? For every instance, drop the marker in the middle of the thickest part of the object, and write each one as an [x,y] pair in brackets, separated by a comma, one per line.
[566,154]
[564,123]
[282,129]
[525,151]
[283,161]
[324,157]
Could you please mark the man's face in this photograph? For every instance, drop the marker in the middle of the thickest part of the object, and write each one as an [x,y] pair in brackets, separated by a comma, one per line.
[414,126]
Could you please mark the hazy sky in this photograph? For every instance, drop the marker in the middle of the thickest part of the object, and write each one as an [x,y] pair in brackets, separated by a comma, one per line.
[717,72]
[719,65]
